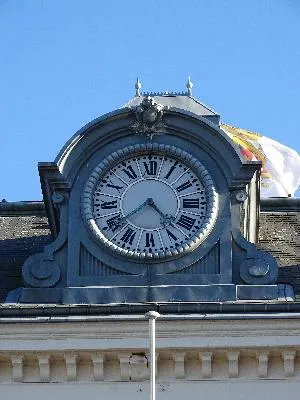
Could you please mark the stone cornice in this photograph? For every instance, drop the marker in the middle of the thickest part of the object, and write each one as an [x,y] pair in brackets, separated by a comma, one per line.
[188,350]
[184,334]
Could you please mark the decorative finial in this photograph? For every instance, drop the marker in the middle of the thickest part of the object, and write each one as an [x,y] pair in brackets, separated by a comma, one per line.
[137,86]
[189,86]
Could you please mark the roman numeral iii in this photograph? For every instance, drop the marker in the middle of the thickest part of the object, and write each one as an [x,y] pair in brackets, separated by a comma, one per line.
[191,203]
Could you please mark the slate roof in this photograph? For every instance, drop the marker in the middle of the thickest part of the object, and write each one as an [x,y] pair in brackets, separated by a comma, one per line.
[24,231]
[280,234]
[179,100]
[20,236]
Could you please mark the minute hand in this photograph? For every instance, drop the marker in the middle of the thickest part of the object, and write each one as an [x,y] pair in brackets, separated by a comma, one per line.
[137,209]
[119,222]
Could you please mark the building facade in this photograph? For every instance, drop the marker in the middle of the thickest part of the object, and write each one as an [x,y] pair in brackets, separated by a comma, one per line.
[150,207]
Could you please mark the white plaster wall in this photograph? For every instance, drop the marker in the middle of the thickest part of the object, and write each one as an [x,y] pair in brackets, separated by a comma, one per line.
[216,390]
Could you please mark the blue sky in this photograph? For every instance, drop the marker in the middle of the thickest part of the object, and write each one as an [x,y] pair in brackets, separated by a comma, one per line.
[65,62]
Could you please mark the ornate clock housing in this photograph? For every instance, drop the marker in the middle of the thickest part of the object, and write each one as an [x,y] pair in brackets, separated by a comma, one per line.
[145,205]
[142,226]
[150,202]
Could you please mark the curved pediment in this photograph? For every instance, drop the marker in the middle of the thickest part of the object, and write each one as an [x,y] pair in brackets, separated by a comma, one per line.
[112,127]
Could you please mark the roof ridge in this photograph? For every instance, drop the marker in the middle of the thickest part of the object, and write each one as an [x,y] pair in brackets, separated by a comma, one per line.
[21,208]
[165,94]
[204,105]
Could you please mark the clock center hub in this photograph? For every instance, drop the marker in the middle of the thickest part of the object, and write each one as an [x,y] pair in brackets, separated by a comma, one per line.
[161,200]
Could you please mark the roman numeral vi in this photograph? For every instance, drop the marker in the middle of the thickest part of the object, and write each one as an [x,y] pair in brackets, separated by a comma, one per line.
[150,240]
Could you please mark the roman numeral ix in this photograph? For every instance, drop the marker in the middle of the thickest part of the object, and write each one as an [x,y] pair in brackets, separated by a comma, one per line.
[107,205]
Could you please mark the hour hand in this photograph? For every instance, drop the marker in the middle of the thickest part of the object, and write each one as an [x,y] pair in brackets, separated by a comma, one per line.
[153,205]
[166,219]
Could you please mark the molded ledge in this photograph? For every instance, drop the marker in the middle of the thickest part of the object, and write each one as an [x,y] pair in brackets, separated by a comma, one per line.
[144,294]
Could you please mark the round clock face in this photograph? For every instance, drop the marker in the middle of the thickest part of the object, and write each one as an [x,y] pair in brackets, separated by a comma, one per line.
[150,202]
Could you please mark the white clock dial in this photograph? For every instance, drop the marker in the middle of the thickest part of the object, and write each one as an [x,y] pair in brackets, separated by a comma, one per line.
[150,204]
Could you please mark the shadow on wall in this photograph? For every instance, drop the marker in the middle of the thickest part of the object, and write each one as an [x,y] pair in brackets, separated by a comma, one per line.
[13,253]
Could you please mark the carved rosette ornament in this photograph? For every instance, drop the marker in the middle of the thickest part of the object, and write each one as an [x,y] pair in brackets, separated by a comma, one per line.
[149,118]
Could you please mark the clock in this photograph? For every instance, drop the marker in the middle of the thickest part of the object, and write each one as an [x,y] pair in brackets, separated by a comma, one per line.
[150,202]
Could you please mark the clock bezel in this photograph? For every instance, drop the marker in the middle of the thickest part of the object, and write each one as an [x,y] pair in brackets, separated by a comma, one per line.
[142,149]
